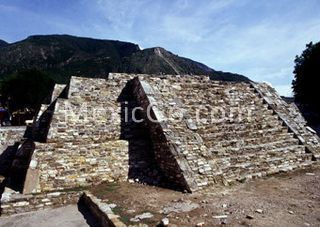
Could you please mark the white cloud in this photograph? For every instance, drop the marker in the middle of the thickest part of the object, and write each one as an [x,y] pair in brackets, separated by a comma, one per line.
[121,14]
[258,39]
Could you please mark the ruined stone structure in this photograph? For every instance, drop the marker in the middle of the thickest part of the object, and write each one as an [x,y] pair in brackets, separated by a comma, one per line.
[10,135]
[191,133]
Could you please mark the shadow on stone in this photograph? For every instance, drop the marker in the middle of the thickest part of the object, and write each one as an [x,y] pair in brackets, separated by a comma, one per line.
[143,167]
[28,132]
[40,130]
[6,158]
[88,216]
[20,160]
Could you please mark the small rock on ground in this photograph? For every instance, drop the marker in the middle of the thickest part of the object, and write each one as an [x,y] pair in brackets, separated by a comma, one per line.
[165,222]
[140,217]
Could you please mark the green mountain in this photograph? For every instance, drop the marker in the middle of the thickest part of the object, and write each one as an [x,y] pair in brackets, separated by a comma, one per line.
[62,56]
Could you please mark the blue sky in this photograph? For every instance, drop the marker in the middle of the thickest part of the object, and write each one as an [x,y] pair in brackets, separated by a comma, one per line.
[256,38]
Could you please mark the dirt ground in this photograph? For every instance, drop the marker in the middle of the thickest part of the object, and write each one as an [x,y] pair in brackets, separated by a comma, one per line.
[287,199]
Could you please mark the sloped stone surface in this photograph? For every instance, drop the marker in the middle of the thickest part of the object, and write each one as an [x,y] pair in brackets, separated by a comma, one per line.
[205,132]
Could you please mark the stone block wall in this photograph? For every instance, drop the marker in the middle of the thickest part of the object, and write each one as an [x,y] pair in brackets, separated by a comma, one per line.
[63,165]
[91,111]
[101,211]
[10,135]
[42,120]
[83,144]
[16,203]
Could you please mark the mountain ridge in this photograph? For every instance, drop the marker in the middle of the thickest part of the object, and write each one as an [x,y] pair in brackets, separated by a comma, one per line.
[64,55]
[3,43]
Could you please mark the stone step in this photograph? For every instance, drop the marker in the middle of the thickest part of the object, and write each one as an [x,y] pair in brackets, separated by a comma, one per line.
[186,83]
[218,95]
[213,87]
[273,154]
[301,160]
[246,141]
[235,151]
[233,121]
[247,133]
[238,113]
[220,100]
[217,92]
[234,127]
[268,166]
[265,159]
[262,160]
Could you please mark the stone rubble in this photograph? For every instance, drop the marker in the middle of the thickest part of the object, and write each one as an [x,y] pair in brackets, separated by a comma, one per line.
[180,207]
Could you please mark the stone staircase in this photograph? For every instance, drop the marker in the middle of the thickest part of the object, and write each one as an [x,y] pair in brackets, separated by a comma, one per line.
[291,116]
[247,140]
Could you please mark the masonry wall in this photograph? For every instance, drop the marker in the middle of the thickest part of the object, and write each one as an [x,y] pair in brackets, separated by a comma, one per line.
[83,145]
[15,203]
[10,135]
[42,120]
[91,111]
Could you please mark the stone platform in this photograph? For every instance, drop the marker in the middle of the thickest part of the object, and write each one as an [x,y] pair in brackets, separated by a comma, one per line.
[191,133]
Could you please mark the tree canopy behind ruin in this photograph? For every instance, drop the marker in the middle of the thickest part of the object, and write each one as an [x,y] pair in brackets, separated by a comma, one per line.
[25,90]
[307,76]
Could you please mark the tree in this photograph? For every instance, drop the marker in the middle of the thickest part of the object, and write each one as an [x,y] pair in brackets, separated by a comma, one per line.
[306,83]
[25,90]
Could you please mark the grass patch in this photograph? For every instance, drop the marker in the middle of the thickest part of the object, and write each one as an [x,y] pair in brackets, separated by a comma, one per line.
[125,219]
[122,216]
[101,190]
